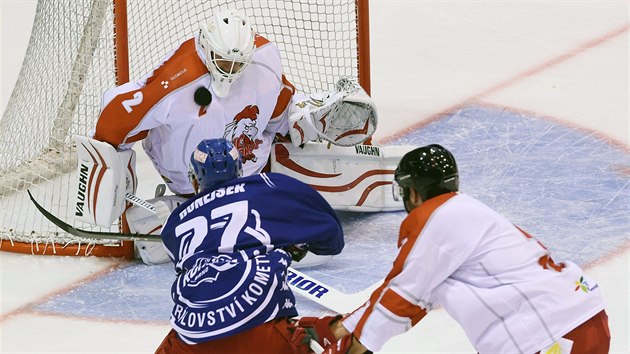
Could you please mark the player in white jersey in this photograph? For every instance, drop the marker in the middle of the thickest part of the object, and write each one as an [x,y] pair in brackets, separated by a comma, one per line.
[226,82]
[499,283]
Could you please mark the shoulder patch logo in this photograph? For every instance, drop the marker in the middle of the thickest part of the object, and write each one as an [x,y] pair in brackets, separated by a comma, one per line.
[583,285]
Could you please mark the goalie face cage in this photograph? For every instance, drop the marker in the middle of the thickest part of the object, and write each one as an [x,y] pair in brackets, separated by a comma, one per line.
[79,48]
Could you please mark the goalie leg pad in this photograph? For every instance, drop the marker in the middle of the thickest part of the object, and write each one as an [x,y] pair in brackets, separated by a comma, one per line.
[151,253]
[143,221]
[105,175]
[355,178]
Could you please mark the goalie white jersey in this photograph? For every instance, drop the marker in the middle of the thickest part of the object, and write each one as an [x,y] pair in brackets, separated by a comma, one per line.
[162,109]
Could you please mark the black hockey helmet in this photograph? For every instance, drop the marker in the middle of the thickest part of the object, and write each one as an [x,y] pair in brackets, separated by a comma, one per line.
[430,170]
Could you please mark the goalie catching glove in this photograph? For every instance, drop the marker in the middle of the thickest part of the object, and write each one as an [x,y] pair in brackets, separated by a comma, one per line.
[345,116]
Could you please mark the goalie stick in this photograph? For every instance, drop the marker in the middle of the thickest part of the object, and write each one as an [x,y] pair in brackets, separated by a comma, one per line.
[140,202]
[301,284]
[97,235]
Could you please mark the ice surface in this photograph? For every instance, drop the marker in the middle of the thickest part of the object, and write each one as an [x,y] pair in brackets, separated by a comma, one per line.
[567,187]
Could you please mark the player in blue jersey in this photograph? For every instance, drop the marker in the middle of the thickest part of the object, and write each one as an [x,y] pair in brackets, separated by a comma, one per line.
[231,245]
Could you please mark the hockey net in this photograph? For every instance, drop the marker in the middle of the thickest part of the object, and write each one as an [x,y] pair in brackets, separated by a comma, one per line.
[79,48]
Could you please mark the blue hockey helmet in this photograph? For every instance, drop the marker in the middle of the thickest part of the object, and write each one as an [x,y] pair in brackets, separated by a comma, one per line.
[214,161]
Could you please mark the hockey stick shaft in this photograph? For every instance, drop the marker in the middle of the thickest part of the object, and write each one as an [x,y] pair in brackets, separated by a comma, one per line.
[301,284]
[140,202]
[324,294]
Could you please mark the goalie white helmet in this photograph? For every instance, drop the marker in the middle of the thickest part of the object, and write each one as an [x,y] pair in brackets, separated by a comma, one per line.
[227,41]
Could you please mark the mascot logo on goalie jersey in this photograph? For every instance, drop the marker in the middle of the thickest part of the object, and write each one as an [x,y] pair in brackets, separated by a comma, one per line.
[242,131]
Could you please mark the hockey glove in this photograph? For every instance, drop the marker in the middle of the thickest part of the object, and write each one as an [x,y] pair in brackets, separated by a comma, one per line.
[297,252]
[315,328]
[342,346]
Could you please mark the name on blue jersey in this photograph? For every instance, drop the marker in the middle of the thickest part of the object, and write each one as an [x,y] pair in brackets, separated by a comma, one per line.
[215,194]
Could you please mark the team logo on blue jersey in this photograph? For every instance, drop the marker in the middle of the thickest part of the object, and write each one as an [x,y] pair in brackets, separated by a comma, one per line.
[208,270]
[225,294]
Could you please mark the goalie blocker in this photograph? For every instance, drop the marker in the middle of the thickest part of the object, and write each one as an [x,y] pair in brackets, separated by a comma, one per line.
[355,178]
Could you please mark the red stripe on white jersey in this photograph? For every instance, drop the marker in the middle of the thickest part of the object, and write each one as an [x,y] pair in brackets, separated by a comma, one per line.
[409,234]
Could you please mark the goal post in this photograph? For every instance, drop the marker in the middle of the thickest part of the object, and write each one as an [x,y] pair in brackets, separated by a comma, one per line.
[80,48]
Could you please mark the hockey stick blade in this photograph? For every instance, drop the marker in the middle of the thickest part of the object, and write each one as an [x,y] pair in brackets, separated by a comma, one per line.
[91,234]
[325,295]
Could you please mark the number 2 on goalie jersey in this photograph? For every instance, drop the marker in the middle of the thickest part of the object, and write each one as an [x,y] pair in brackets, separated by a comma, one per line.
[231,218]
[136,100]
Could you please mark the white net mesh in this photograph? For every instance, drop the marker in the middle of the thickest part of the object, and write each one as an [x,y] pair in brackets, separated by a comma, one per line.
[70,62]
